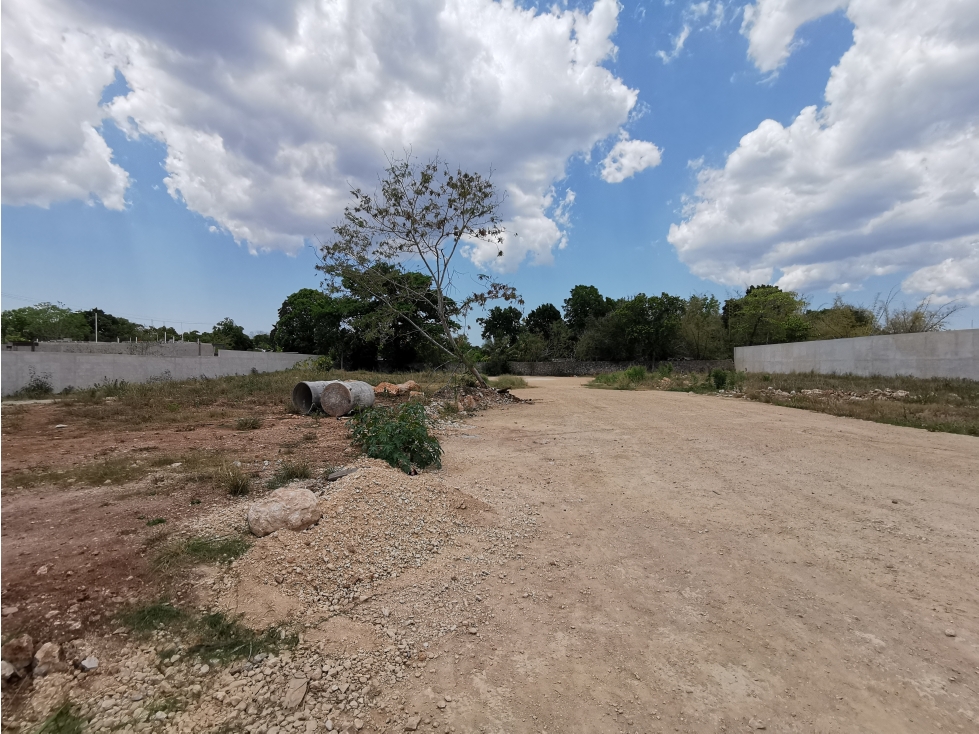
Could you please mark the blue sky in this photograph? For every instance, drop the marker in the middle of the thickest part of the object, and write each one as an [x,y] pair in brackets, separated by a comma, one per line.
[163,173]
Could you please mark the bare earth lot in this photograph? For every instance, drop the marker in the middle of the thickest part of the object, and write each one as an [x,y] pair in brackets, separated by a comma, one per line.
[598,561]
[714,562]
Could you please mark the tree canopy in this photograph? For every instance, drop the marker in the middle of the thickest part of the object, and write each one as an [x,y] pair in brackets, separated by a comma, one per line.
[422,215]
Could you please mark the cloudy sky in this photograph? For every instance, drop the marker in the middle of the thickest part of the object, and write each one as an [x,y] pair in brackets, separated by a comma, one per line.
[177,161]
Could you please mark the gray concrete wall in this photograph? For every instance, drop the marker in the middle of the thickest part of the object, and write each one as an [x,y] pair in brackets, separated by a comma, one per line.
[62,370]
[929,354]
[158,349]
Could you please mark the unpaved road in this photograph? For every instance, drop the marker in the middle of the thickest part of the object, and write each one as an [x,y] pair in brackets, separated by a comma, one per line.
[707,564]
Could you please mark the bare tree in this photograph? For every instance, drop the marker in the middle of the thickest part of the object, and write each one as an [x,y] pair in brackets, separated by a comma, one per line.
[904,320]
[420,215]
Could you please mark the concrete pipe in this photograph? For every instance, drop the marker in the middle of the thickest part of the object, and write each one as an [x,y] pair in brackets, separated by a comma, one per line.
[340,398]
[306,395]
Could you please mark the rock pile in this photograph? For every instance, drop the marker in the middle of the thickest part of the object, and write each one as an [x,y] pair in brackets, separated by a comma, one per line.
[398,563]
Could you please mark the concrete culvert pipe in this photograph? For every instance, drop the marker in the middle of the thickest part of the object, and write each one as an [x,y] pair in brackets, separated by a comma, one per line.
[340,398]
[306,395]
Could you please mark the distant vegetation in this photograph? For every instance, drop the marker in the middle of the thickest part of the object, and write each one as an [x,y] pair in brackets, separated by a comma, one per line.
[49,322]
[352,330]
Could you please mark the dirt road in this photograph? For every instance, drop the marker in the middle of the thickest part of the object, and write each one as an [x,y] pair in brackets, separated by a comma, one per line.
[706,564]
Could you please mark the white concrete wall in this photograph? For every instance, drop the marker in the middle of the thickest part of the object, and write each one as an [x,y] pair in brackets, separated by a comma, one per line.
[929,354]
[86,370]
[156,349]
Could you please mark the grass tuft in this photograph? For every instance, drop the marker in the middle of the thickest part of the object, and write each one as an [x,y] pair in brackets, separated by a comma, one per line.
[64,720]
[233,480]
[288,472]
[222,549]
[151,617]
[248,424]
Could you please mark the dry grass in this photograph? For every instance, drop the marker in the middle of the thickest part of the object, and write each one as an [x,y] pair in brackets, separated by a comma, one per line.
[189,403]
[193,466]
[934,404]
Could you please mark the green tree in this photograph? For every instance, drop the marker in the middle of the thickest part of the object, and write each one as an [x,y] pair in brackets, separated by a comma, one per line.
[502,326]
[701,328]
[841,321]
[765,314]
[541,320]
[584,305]
[421,214]
[227,332]
[639,328]
[112,327]
[263,342]
[300,315]
[44,322]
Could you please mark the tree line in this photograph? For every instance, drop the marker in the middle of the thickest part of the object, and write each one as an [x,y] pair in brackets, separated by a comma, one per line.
[353,330]
[53,322]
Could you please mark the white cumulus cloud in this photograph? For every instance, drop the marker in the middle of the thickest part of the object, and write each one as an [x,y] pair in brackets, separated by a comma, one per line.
[882,179]
[53,77]
[629,157]
[271,111]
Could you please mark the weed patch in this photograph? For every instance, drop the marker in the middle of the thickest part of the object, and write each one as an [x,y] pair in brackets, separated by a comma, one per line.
[225,638]
[152,617]
[200,550]
[64,720]
[288,472]
[212,635]
[248,424]
[398,435]
[233,480]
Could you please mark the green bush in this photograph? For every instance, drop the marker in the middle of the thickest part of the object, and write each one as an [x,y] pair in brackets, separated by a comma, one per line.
[636,373]
[397,435]
[665,369]
[497,364]
[719,378]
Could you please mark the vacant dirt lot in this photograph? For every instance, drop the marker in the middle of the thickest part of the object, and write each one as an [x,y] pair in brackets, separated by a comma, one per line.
[594,561]
[709,564]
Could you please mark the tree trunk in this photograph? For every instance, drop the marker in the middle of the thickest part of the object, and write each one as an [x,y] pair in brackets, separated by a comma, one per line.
[340,398]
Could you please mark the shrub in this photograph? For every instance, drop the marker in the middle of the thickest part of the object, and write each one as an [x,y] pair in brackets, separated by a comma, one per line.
[636,373]
[496,364]
[719,378]
[38,386]
[397,435]
[665,369]
[248,424]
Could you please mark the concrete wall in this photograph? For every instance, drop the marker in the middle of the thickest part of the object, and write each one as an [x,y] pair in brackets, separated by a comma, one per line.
[930,354]
[574,368]
[158,349]
[62,370]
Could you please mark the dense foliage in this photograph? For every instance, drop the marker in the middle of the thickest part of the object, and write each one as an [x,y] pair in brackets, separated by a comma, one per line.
[398,435]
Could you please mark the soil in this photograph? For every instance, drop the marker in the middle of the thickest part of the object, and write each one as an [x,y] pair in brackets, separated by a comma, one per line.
[92,542]
[595,560]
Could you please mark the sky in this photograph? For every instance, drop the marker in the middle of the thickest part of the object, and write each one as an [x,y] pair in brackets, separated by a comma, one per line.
[178,162]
